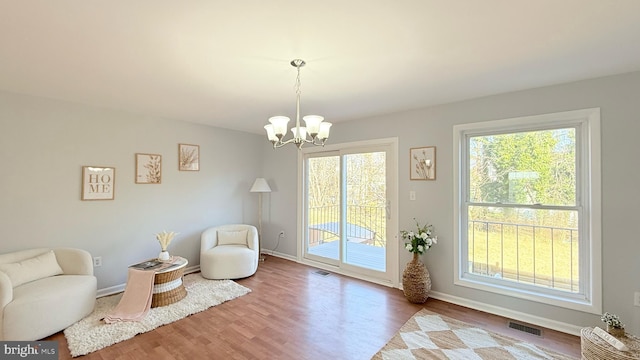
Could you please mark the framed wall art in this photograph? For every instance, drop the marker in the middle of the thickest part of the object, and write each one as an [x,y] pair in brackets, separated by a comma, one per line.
[188,157]
[148,168]
[422,163]
[98,183]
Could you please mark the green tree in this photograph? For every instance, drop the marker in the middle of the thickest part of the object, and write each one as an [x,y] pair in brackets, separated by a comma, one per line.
[536,167]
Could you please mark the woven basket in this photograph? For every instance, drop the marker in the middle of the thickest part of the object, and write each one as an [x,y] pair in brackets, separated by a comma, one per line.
[416,281]
[595,348]
[171,296]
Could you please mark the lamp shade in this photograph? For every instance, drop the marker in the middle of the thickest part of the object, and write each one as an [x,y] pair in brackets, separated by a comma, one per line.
[324,130]
[313,123]
[260,185]
[279,124]
[271,133]
[303,132]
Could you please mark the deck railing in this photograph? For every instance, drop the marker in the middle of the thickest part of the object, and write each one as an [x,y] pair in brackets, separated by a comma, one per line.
[541,255]
[365,224]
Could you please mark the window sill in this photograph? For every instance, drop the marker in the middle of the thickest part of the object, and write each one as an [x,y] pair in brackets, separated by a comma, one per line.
[573,303]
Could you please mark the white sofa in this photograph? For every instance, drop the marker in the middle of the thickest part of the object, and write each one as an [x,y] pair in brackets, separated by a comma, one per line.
[43,291]
[229,251]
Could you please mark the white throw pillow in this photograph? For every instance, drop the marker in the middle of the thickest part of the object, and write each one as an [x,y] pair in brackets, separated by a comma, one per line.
[232,237]
[32,269]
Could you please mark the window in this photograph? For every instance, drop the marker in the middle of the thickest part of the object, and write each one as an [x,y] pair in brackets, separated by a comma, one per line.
[528,208]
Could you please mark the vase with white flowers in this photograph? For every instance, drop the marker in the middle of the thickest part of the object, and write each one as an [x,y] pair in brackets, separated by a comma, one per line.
[416,280]
[164,238]
[614,326]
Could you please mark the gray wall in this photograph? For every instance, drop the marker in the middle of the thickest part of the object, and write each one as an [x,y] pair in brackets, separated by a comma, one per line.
[617,96]
[45,143]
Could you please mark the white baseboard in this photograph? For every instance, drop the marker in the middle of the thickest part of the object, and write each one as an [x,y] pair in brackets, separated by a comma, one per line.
[510,314]
[120,287]
[280,255]
[110,290]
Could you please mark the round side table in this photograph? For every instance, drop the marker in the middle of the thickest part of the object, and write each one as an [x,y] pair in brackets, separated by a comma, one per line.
[595,348]
[167,285]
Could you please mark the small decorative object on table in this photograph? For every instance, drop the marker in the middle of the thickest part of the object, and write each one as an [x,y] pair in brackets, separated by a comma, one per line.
[164,238]
[416,281]
[614,326]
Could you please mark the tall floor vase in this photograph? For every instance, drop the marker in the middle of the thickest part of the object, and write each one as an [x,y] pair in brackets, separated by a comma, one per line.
[416,282]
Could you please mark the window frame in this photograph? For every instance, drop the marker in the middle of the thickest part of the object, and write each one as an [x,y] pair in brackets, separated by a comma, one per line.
[390,145]
[588,202]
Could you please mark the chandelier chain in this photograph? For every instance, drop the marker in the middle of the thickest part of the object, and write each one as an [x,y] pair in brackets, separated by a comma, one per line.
[298,82]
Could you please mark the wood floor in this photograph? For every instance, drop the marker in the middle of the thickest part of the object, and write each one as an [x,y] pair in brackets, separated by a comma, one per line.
[295,313]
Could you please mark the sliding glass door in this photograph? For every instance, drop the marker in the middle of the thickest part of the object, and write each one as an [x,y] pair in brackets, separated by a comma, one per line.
[348,209]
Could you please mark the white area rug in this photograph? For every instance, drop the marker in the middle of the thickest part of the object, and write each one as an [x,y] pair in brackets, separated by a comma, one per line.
[91,333]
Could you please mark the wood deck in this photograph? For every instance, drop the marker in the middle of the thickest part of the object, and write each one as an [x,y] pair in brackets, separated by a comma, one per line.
[358,254]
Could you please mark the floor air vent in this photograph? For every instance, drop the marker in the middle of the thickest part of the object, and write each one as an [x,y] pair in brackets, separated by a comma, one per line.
[321,273]
[525,328]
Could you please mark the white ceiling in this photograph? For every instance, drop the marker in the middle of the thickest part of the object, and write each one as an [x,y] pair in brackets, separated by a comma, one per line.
[226,63]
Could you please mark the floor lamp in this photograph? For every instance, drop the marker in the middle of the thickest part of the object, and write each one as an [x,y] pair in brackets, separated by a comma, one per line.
[260,186]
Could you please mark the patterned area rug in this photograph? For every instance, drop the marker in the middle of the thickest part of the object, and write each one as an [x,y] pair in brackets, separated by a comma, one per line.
[428,335]
[91,333]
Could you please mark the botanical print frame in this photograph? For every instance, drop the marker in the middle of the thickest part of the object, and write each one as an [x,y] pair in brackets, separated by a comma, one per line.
[148,168]
[422,163]
[188,157]
[98,183]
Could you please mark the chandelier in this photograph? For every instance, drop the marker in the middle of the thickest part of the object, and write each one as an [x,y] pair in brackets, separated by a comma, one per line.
[315,132]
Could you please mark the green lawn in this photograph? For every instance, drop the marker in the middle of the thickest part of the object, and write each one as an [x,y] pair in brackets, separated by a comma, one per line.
[547,257]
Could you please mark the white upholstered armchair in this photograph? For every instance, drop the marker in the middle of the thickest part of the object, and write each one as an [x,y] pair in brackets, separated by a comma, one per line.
[229,251]
[43,291]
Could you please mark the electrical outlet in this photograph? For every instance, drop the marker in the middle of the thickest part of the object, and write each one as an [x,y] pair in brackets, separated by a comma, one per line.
[636,298]
[97,261]
[281,233]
